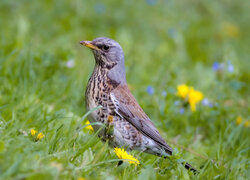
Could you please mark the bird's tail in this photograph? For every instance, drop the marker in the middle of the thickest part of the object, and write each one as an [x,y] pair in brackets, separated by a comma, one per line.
[169,151]
[185,164]
[189,167]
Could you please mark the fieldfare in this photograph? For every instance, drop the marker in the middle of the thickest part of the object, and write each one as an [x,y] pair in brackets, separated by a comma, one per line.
[126,124]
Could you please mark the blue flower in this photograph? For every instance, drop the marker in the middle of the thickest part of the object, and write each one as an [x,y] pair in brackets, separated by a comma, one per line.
[164,93]
[206,102]
[211,105]
[217,66]
[150,90]
[151,2]
[230,67]
[172,32]
[182,110]
[176,103]
[100,8]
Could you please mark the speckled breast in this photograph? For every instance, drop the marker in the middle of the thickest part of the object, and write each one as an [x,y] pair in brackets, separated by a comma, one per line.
[98,94]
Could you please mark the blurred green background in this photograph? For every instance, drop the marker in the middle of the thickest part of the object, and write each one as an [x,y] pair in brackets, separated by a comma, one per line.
[44,72]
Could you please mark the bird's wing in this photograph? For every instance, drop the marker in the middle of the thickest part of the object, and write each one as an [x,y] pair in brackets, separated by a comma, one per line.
[128,108]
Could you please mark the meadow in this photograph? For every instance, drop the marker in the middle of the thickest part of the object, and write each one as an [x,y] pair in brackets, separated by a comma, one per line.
[201,45]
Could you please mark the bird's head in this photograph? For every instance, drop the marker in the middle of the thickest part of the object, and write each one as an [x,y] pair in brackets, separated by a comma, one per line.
[107,52]
[109,55]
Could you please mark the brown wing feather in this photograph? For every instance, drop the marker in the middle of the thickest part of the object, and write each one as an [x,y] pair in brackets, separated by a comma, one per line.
[129,109]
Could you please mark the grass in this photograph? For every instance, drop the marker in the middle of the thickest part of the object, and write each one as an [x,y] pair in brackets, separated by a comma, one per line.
[166,43]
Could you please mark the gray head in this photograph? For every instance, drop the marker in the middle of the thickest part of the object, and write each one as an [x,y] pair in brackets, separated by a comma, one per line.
[109,55]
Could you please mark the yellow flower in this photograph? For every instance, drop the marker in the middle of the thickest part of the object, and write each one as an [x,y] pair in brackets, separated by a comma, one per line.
[190,94]
[182,90]
[238,120]
[40,136]
[194,97]
[247,124]
[231,30]
[33,132]
[80,178]
[89,127]
[122,154]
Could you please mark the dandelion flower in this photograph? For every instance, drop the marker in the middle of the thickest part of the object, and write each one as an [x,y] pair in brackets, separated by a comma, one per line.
[182,91]
[194,97]
[231,30]
[190,94]
[122,154]
[80,178]
[247,124]
[238,120]
[33,132]
[40,136]
[89,127]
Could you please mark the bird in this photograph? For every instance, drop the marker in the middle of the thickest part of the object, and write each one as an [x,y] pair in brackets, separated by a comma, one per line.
[120,120]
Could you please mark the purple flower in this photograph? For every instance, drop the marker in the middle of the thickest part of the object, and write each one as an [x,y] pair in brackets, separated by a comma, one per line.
[182,110]
[150,90]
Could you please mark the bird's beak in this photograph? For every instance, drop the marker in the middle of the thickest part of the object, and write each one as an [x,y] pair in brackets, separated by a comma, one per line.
[89,45]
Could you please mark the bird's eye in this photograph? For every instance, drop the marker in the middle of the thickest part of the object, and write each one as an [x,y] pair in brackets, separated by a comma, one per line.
[105,47]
